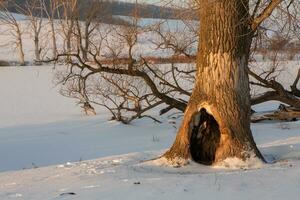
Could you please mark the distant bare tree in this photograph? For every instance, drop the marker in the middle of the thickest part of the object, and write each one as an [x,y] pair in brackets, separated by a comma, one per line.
[67,19]
[13,26]
[51,11]
[91,20]
[34,11]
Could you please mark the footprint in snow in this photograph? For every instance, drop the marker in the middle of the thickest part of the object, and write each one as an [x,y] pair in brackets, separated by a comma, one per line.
[91,186]
[10,184]
[15,195]
[67,194]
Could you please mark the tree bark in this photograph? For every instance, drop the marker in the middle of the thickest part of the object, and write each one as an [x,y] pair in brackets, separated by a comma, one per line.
[86,40]
[20,47]
[37,49]
[216,124]
[54,46]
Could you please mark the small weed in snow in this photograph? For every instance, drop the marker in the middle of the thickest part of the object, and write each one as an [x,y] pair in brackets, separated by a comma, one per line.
[155,139]
[284,126]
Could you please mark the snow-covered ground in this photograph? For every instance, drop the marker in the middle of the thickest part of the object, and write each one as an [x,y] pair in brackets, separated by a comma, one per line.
[127,177]
[38,128]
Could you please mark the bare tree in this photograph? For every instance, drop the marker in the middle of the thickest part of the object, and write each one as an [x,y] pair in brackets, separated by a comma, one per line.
[34,11]
[91,20]
[67,18]
[51,11]
[8,19]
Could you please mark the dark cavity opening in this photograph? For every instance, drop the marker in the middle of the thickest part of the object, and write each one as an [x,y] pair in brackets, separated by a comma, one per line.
[205,138]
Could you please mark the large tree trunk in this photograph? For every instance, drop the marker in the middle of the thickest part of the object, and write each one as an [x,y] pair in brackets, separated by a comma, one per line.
[216,123]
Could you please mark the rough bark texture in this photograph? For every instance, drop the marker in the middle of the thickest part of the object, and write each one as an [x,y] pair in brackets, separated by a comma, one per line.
[216,124]
[20,47]
[37,50]
[86,40]
[54,46]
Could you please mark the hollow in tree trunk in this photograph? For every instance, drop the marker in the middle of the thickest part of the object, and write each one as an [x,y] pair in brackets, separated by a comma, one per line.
[216,123]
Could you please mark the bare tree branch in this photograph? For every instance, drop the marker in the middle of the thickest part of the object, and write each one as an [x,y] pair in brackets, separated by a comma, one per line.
[265,14]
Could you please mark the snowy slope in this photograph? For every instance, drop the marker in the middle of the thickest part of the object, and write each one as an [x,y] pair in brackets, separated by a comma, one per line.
[29,96]
[16,16]
[40,127]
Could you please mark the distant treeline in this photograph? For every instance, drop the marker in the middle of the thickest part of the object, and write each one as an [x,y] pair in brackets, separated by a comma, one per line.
[112,8]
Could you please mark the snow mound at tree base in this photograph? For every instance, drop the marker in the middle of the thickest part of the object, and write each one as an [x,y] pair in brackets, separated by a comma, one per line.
[176,162]
[233,163]
[253,162]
